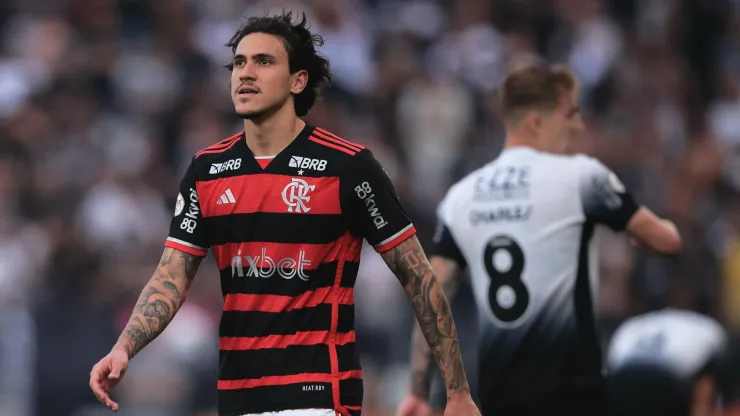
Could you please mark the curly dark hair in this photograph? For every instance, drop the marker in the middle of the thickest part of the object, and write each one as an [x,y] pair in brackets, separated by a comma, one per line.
[300,44]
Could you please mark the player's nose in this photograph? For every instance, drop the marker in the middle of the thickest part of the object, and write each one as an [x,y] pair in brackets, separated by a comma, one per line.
[248,72]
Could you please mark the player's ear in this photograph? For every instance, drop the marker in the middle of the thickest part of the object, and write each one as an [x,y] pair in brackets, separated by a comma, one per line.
[298,81]
[534,120]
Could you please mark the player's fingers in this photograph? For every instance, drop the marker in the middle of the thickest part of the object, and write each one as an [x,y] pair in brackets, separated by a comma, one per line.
[116,370]
[105,399]
[110,404]
[99,392]
[99,385]
[96,377]
[98,371]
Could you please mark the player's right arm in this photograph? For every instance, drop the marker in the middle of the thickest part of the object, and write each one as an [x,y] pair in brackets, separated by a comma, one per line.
[159,301]
[606,201]
[162,296]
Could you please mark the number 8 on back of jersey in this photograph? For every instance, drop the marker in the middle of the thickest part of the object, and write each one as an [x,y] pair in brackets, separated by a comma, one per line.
[508,295]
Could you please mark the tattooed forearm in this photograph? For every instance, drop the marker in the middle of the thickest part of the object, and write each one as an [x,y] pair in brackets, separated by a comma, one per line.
[421,355]
[160,300]
[421,364]
[433,313]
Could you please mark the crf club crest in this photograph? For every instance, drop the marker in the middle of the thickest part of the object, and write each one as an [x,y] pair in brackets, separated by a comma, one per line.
[295,195]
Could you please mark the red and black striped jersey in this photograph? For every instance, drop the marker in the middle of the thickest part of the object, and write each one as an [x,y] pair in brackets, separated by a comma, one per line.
[287,240]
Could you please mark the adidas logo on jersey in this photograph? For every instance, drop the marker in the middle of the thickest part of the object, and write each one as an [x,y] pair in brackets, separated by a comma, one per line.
[307,163]
[226,198]
[232,164]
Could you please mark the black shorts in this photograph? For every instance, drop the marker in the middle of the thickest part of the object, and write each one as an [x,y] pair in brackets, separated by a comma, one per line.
[648,390]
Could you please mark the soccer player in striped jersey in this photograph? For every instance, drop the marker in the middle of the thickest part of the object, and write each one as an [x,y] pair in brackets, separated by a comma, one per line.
[284,207]
[523,226]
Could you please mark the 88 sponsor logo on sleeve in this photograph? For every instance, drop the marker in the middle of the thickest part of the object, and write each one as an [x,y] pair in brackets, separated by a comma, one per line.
[190,221]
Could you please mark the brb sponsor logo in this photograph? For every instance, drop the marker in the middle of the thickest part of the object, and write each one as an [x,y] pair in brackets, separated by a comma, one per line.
[232,164]
[295,195]
[366,195]
[190,221]
[265,266]
[307,163]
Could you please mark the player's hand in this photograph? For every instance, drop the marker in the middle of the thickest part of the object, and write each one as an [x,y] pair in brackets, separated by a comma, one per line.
[461,405]
[414,406]
[106,374]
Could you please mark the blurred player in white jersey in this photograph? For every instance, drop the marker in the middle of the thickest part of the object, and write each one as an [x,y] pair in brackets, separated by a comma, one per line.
[667,363]
[522,225]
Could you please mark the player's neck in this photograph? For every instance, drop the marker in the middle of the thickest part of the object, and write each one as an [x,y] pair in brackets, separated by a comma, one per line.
[270,136]
[514,140]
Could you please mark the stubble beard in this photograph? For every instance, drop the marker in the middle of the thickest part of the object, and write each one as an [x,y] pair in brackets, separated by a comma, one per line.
[262,113]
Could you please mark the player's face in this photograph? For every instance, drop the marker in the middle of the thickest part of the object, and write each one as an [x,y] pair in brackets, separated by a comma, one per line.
[563,125]
[261,82]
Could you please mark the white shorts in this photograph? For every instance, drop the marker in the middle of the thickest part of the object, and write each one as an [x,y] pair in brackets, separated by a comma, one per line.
[303,412]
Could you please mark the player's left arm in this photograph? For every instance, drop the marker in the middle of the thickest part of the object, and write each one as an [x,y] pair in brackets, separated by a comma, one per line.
[374,212]
[409,263]
[422,358]
[446,260]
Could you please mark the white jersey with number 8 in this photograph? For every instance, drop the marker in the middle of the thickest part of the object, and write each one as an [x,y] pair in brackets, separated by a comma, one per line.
[523,226]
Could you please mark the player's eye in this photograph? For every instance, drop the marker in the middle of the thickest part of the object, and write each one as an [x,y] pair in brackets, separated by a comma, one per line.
[264,61]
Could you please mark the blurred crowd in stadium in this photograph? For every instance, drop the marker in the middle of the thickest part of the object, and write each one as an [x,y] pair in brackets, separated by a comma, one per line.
[103,102]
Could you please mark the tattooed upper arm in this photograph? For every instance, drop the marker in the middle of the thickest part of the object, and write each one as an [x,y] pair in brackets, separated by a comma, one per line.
[407,261]
[175,273]
[177,264]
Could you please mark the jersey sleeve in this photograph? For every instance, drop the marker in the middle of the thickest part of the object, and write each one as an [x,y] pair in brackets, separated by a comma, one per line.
[444,242]
[371,206]
[186,228]
[604,198]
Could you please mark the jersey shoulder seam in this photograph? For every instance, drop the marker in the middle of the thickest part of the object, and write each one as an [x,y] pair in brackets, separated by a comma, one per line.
[221,146]
[332,141]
